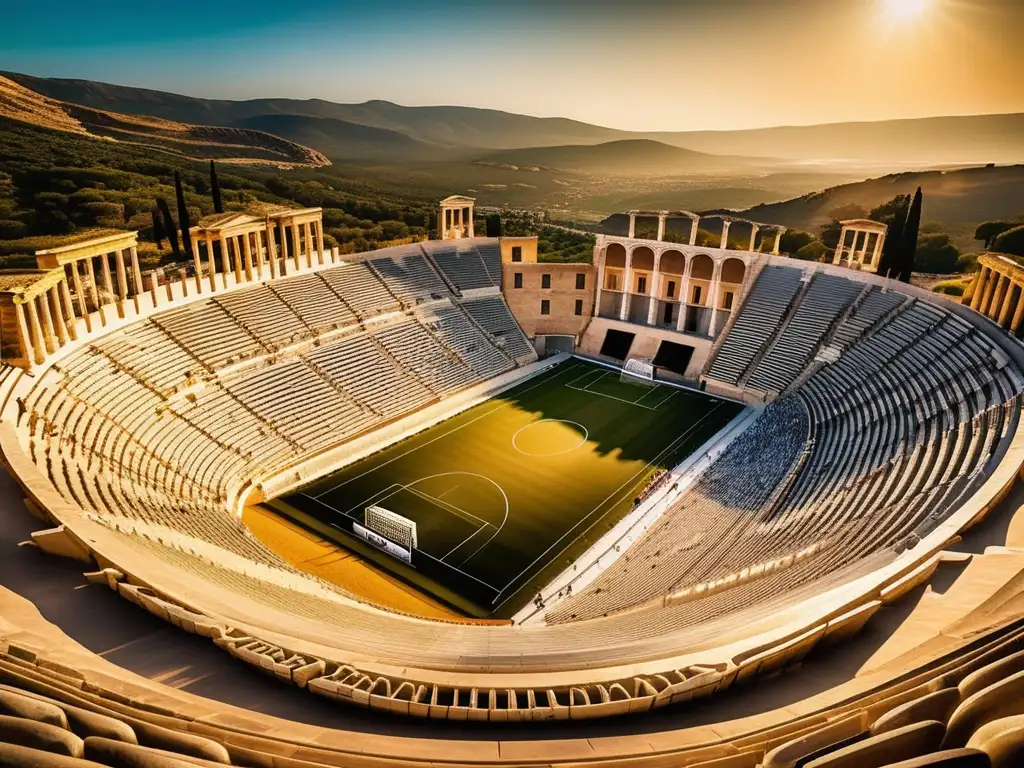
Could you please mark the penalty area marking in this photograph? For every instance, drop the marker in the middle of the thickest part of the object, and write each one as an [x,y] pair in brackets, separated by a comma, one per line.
[587,388]
[586,436]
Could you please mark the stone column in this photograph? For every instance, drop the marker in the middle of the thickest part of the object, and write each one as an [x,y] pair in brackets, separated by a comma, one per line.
[23,335]
[122,277]
[44,314]
[56,315]
[296,246]
[1018,316]
[600,284]
[259,235]
[753,236]
[990,289]
[693,231]
[980,284]
[108,283]
[632,225]
[39,353]
[91,274]
[684,295]
[247,252]
[627,287]
[725,234]
[662,218]
[992,310]
[778,241]
[1007,305]
[879,244]
[133,254]
[652,307]
[472,230]
[76,277]
[319,227]
[69,309]
[864,251]
[307,230]
[197,265]
[716,287]
[225,261]
[211,263]
[840,245]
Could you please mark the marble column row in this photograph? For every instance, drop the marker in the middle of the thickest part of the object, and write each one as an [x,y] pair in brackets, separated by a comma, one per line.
[258,254]
[46,322]
[1000,298]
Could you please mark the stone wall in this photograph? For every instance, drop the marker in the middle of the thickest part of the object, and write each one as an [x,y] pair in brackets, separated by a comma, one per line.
[562,296]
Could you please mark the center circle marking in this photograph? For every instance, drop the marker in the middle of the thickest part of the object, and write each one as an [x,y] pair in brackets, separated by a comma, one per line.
[583,439]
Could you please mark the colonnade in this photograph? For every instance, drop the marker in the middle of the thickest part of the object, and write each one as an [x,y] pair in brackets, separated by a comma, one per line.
[859,258]
[455,219]
[998,292]
[44,316]
[690,256]
[727,222]
[257,249]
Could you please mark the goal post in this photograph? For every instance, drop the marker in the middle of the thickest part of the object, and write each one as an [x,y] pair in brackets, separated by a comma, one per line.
[389,531]
[639,371]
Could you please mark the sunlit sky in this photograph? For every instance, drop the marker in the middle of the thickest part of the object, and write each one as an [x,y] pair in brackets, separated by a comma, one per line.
[638,64]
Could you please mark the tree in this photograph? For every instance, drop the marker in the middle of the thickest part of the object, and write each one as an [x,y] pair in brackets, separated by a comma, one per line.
[1011,242]
[889,261]
[158,228]
[848,211]
[813,251]
[218,202]
[988,231]
[179,193]
[792,240]
[830,233]
[908,240]
[936,254]
[170,228]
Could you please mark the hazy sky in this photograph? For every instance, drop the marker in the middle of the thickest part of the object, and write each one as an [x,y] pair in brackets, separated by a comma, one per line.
[638,64]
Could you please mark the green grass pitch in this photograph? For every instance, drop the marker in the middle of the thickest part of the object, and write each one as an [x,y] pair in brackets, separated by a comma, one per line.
[508,493]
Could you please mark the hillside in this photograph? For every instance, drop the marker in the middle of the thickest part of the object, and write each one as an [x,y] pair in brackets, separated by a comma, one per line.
[443,125]
[632,157]
[341,140]
[926,141]
[950,197]
[893,143]
[199,142]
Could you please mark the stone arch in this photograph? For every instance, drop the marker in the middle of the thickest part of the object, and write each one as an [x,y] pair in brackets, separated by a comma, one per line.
[733,270]
[673,262]
[643,258]
[702,267]
[615,255]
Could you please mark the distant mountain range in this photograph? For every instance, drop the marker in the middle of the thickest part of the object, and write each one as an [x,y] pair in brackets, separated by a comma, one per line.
[198,142]
[446,132]
[633,157]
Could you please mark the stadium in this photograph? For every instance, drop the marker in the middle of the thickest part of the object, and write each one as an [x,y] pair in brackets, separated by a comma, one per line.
[679,478]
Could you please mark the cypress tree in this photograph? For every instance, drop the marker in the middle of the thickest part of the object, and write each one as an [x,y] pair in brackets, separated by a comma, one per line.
[186,237]
[169,227]
[908,247]
[889,261]
[218,202]
[158,227]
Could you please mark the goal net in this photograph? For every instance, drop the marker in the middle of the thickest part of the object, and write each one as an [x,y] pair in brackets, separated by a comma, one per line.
[638,370]
[388,531]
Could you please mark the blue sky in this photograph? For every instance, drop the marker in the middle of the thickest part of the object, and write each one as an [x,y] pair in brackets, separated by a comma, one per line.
[645,64]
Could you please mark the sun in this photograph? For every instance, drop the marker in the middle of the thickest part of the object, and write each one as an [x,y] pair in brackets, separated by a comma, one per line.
[904,10]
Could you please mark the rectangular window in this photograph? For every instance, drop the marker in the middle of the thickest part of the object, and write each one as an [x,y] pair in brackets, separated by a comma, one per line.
[696,294]
[579,306]
[517,253]
[581,281]
[641,284]
[545,281]
[728,300]
[545,307]
[518,280]
[671,289]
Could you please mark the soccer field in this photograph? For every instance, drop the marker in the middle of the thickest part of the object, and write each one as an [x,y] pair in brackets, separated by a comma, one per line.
[508,493]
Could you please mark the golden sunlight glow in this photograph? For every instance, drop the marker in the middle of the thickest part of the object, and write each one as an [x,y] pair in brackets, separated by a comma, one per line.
[904,10]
